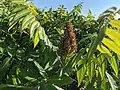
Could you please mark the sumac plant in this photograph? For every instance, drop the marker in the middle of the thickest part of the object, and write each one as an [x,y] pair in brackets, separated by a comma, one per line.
[58,49]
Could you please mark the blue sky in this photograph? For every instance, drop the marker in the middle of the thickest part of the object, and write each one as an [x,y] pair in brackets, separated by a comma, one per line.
[96,6]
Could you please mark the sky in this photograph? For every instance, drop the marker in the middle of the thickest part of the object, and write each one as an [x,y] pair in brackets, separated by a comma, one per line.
[96,6]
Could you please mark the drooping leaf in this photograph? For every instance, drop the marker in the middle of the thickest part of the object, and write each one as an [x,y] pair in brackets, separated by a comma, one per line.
[103,49]
[111,81]
[112,10]
[33,10]
[114,65]
[44,37]
[108,12]
[28,23]
[12,26]
[20,14]
[90,70]
[111,45]
[27,20]
[36,39]
[113,35]
[18,1]
[19,8]
[101,66]
[81,74]
[34,26]
[115,23]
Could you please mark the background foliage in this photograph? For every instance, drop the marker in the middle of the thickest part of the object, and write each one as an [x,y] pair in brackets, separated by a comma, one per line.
[31,52]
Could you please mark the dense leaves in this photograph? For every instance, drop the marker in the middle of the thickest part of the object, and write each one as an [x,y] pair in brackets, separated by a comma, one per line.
[31,55]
